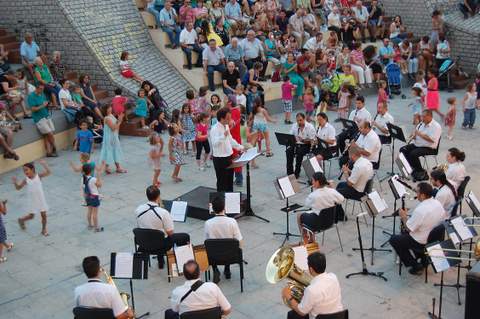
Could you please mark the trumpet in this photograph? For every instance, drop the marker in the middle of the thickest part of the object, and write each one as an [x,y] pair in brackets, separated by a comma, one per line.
[125,296]
[475,252]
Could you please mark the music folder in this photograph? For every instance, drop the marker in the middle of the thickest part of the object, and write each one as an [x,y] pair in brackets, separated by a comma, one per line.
[287,186]
[311,166]
[375,203]
[397,187]
[126,265]
[183,254]
[403,165]
[473,203]
[440,255]
[178,210]
[232,202]
[285,139]
[463,230]
[396,132]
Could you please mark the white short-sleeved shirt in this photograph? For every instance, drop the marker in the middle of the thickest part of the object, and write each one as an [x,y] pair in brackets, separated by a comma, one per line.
[359,116]
[382,120]
[91,185]
[425,217]
[456,173]
[432,130]
[370,143]
[150,220]
[64,94]
[222,226]
[188,37]
[208,295]
[96,294]
[322,296]
[308,131]
[327,132]
[446,197]
[323,198]
[362,172]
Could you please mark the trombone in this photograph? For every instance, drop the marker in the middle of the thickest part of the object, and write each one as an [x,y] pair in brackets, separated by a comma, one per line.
[475,252]
[125,296]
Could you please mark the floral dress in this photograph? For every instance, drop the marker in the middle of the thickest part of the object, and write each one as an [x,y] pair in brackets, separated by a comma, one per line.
[188,128]
[177,150]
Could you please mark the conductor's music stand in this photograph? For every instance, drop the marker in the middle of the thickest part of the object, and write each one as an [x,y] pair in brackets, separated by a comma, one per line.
[396,133]
[287,186]
[137,270]
[286,139]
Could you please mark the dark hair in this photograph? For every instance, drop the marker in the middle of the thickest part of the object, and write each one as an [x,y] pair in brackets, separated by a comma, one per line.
[320,177]
[147,83]
[175,115]
[202,91]
[82,77]
[190,275]
[86,170]
[190,94]
[300,114]
[91,266]
[257,103]
[82,122]
[323,115]
[222,113]
[286,78]
[105,108]
[189,108]
[425,189]
[439,175]
[153,192]
[62,82]
[141,90]
[455,152]
[257,65]
[30,165]
[317,262]
[417,90]
[171,130]
[118,91]
[218,204]
[218,97]
[429,112]
[124,55]
[360,98]
[202,116]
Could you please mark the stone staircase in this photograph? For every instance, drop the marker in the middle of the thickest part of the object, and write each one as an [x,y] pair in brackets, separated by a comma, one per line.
[11,44]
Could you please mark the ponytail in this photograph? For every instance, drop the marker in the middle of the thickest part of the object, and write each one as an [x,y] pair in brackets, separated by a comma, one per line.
[440,176]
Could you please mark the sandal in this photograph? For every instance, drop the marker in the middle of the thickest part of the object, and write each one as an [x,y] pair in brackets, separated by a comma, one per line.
[45,233]
[3,259]
[9,246]
[269,154]
[98,229]
[121,171]
[21,223]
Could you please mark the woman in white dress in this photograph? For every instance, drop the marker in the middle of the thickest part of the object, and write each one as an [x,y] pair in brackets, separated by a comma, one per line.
[456,170]
[36,196]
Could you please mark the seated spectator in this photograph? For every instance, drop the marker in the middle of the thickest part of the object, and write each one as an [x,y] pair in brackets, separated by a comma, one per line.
[315,43]
[281,21]
[88,96]
[348,25]
[4,65]
[209,33]
[397,30]
[189,43]
[29,51]
[217,11]
[234,53]
[373,61]
[333,21]
[221,31]
[468,8]
[56,67]
[213,60]
[200,12]
[168,23]
[230,79]
[252,77]
[38,103]
[357,61]
[386,52]
[271,50]
[42,75]
[154,7]
[67,105]
[306,64]
[253,50]
[125,69]
[297,26]
[186,13]
[410,64]
[6,134]
[443,50]
[234,16]
[310,23]
[375,20]
[361,16]
[11,93]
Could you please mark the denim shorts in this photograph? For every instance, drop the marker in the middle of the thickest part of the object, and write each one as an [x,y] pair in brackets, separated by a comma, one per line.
[92,201]
[259,127]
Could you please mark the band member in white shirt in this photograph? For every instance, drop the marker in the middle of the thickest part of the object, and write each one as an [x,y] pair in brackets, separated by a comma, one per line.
[152,216]
[321,198]
[196,295]
[326,132]
[304,133]
[219,227]
[380,121]
[358,177]
[222,150]
[426,138]
[359,115]
[445,193]
[322,296]
[456,170]
[368,143]
[425,217]
[96,294]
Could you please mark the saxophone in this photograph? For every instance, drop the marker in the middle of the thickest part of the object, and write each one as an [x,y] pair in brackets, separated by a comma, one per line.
[125,296]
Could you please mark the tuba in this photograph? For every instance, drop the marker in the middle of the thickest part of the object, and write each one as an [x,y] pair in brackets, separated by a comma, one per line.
[281,265]
[125,296]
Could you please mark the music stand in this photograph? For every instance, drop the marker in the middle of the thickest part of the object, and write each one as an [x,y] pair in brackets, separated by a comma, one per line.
[396,133]
[244,160]
[231,209]
[474,205]
[286,139]
[404,166]
[311,166]
[348,124]
[129,266]
[287,186]
[375,205]
[442,258]
[179,211]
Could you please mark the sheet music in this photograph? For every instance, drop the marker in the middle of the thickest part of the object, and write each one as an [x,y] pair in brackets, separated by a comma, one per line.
[124,265]
[405,163]
[232,203]
[315,165]
[248,155]
[454,238]
[438,258]
[399,187]
[474,200]
[286,186]
[182,255]
[462,230]
[301,257]
[178,211]
[378,202]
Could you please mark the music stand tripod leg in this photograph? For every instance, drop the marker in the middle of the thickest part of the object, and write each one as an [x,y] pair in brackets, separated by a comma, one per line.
[248,209]
[133,302]
[287,234]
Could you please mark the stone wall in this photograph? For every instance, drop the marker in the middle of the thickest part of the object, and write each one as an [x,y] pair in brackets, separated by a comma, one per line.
[91,34]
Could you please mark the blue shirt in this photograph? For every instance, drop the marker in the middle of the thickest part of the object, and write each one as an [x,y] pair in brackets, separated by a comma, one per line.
[233,54]
[167,17]
[385,51]
[252,49]
[85,141]
[233,11]
[29,51]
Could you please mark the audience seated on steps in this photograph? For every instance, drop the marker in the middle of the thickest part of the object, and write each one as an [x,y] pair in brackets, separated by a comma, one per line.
[29,50]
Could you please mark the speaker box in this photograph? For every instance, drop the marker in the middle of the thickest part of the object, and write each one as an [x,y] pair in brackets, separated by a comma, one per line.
[472,293]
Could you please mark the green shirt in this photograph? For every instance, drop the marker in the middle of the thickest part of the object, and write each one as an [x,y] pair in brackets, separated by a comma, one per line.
[77,98]
[44,73]
[36,100]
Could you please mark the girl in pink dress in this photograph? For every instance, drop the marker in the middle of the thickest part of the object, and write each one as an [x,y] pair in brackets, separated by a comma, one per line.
[433,96]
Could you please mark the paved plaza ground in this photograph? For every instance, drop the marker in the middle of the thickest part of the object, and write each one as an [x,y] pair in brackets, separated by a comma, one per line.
[41,273]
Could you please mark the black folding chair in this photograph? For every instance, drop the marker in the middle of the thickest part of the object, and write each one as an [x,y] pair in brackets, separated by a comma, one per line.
[212,313]
[222,252]
[425,162]
[368,190]
[151,242]
[92,313]
[337,315]
[327,219]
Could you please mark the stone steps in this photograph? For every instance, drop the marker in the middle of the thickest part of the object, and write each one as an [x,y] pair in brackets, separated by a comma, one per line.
[10,44]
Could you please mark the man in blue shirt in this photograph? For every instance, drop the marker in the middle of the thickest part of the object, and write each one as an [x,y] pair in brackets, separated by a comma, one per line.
[386,52]
[29,51]
[168,23]
[234,53]
[233,14]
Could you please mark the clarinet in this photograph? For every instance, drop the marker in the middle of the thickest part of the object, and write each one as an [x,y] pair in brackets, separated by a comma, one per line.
[416,128]
[403,227]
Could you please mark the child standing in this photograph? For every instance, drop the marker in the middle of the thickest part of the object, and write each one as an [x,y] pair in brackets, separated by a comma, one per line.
[287,98]
[382,92]
[451,116]
[201,103]
[84,141]
[141,107]
[344,100]
[90,185]
[3,233]
[201,139]
[175,147]
[215,102]
[417,104]
[469,104]
[156,148]
[308,103]
[118,102]
[188,127]
[252,96]
[160,124]
[260,118]
[240,98]
[36,196]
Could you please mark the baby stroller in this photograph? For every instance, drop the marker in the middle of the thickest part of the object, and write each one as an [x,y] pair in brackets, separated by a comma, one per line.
[394,79]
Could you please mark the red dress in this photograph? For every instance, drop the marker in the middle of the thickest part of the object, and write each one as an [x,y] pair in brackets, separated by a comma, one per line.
[235,131]
[433,96]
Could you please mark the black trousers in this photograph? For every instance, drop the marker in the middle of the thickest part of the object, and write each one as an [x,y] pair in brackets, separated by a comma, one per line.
[326,153]
[412,154]
[226,269]
[402,244]
[224,174]
[170,314]
[296,152]
[343,136]
[385,139]
[179,239]
[202,144]
[293,315]
[349,192]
